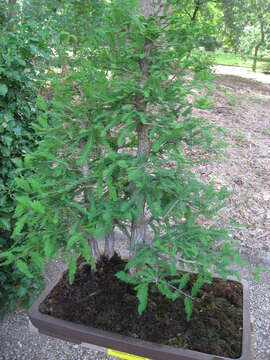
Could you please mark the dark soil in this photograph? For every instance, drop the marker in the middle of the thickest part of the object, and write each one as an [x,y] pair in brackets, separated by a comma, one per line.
[102,301]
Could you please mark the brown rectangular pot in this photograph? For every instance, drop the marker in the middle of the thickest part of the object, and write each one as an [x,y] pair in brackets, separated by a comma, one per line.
[81,334]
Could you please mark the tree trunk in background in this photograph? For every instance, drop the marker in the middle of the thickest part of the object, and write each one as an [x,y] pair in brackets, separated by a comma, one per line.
[138,228]
[254,66]
[237,41]
[196,9]
[12,12]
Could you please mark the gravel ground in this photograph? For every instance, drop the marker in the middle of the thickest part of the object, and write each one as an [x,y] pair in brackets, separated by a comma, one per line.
[260,306]
[20,341]
[242,107]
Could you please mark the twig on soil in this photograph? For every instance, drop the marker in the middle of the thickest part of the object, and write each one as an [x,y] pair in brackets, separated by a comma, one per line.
[263,235]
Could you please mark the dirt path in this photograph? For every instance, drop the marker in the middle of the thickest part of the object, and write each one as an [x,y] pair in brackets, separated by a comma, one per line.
[243,72]
[242,109]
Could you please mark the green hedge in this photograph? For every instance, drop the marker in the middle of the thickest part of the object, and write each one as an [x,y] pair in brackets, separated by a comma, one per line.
[19,55]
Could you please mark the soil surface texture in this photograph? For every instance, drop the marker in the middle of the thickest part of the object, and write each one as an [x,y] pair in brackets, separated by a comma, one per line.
[100,300]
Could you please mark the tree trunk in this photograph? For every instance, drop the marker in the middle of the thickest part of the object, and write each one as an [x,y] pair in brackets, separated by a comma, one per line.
[138,228]
[237,40]
[91,241]
[109,245]
[257,47]
[12,12]
[196,9]
[152,7]
[94,249]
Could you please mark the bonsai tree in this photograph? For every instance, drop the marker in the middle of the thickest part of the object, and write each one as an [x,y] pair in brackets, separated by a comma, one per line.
[115,155]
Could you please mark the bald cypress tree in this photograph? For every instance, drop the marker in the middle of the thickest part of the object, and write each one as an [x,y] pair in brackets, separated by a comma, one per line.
[114,155]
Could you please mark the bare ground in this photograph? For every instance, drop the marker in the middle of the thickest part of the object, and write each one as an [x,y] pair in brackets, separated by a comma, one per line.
[243,72]
[242,108]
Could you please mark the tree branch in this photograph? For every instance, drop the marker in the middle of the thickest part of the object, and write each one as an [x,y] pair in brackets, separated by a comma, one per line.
[196,9]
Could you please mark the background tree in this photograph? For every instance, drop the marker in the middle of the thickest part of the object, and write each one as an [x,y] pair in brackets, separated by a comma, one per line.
[259,18]
[245,27]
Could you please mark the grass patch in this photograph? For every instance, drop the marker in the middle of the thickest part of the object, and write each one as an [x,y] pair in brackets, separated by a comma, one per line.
[231,59]
[267,132]
[204,103]
[231,97]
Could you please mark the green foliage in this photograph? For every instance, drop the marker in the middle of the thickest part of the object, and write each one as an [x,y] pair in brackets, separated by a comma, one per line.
[205,103]
[142,294]
[236,27]
[266,67]
[188,308]
[72,269]
[247,27]
[22,266]
[19,56]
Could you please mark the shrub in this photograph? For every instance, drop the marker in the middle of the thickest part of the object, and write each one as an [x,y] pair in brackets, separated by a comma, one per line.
[18,92]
